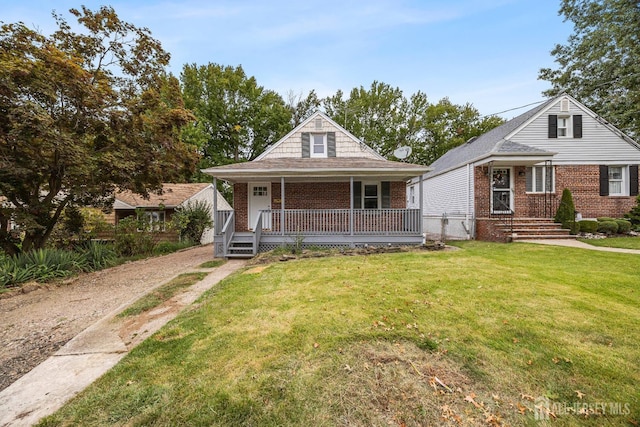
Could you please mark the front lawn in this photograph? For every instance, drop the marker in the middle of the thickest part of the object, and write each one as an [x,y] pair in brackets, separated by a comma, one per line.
[478,336]
[615,242]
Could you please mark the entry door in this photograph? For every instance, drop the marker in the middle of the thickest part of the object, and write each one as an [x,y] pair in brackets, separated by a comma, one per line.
[501,194]
[259,199]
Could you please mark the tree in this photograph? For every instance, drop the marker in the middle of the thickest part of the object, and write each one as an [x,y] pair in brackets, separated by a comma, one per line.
[236,118]
[81,115]
[301,108]
[600,64]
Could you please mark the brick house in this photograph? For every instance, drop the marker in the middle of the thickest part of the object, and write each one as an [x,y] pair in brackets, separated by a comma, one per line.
[319,185]
[507,183]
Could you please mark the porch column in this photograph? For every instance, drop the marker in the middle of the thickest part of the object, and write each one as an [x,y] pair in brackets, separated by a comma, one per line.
[351,205]
[215,206]
[421,198]
[282,220]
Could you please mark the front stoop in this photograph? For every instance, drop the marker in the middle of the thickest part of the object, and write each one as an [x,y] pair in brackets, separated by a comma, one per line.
[537,228]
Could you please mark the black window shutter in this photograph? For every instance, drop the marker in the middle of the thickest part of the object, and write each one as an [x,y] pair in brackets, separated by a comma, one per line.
[357,195]
[331,144]
[553,126]
[306,142]
[633,180]
[385,188]
[577,126]
[604,180]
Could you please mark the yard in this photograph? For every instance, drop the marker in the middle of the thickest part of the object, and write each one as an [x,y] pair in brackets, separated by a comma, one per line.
[490,334]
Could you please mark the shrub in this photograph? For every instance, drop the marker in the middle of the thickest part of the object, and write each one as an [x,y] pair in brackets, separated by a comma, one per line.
[608,227]
[192,220]
[624,226]
[566,212]
[129,241]
[588,226]
[634,213]
[98,256]
[605,218]
[162,248]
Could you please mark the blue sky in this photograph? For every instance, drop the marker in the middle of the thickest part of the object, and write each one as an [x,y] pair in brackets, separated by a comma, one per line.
[486,53]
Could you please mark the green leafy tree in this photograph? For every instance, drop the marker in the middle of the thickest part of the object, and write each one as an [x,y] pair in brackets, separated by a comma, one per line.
[301,108]
[600,63]
[82,114]
[192,220]
[566,213]
[236,118]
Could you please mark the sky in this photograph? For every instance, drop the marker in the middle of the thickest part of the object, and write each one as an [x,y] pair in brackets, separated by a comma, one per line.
[483,52]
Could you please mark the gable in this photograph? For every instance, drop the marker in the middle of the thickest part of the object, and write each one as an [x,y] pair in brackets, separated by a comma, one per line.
[339,142]
[589,140]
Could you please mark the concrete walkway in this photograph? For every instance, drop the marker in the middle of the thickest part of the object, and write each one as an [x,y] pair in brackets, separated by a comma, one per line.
[577,244]
[90,354]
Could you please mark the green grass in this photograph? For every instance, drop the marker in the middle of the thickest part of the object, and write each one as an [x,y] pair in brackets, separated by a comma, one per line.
[162,294]
[212,264]
[615,242]
[468,337]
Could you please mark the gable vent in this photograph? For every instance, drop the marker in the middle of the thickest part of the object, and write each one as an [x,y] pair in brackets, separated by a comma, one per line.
[318,123]
[564,105]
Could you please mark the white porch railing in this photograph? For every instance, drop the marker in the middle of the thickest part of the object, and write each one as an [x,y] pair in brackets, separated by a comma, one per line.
[390,222]
[228,231]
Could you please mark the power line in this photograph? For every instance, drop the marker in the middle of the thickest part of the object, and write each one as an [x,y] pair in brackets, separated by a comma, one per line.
[516,108]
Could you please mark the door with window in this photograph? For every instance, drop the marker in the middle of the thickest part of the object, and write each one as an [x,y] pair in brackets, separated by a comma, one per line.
[259,199]
[501,194]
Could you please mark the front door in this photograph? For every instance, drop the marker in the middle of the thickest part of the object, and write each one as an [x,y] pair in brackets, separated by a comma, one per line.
[501,194]
[259,199]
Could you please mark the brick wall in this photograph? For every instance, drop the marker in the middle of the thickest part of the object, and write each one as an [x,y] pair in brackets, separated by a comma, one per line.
[582,180]
[308,195]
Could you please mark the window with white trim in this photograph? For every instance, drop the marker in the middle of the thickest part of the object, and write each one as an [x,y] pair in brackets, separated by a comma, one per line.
[539,179]
[153,220]
[617,178]
[564,127]
[318,145]
[371,196]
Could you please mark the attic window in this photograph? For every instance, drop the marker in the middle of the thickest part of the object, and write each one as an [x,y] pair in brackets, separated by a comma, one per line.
[318,145]
[318,123]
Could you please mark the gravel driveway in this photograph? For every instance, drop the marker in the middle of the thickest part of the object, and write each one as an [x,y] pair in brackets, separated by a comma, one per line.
[36,324]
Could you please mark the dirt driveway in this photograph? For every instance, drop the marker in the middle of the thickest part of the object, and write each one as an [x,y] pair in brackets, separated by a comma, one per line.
[36,324]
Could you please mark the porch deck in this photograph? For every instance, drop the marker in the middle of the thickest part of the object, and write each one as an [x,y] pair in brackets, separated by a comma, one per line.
[329,228]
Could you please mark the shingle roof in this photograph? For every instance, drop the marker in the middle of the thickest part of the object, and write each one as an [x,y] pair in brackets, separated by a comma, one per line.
[489,142]
[172,195]
[310,167]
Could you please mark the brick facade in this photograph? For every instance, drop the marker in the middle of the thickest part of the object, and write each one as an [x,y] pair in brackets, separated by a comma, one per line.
[582,180]
[308,195]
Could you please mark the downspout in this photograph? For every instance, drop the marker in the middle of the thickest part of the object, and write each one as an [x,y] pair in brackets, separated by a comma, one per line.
[468,213]
[351,206]
[215,213]
[421,201]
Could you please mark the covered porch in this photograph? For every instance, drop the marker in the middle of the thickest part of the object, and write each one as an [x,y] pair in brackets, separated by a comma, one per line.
[330,207]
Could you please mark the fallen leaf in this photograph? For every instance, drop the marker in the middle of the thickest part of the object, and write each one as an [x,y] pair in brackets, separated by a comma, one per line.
[579,394]
[529,362]
[516,340]
[521,408]
[316,345]
[527,397]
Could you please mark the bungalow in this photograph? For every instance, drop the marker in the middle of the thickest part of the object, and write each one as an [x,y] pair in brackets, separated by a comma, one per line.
[506,184]
[319,185]
[159,208]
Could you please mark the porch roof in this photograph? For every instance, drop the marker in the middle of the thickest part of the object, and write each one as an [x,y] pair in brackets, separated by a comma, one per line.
[306,168]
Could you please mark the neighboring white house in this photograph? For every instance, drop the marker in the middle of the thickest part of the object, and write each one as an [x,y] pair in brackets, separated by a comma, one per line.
[519,170]
[160,207]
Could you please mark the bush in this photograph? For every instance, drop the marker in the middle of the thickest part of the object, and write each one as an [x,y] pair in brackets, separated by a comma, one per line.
[634,214]
[566,213]
[41,265]
[608,227]
[131,242]
[168,247]
[192,220]
[588,226]
[605,218]
[98,256]
[624,226]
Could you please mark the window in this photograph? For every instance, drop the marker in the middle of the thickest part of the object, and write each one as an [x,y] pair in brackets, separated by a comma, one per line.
[539,179]
[371,196]
[260,191]
[318,145]
[154,220]
[412,195]
[563,126]
[616,180]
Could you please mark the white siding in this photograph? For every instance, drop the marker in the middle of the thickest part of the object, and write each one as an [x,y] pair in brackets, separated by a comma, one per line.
[598,144]
[450,195]
[345,145]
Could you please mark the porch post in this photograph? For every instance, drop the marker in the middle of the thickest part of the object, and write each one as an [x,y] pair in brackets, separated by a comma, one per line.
[351,206]
[421,198]
[282,220]
[215,206]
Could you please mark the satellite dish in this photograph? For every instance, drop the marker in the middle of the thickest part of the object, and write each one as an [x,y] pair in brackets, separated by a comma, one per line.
[402,152]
